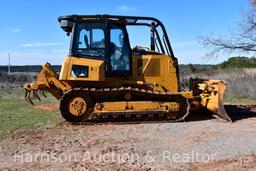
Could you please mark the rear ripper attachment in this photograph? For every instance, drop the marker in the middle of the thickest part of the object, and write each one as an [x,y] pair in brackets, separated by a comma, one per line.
[47,80]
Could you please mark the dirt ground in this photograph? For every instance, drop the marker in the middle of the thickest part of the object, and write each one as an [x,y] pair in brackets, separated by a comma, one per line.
[200,143]
[47,107]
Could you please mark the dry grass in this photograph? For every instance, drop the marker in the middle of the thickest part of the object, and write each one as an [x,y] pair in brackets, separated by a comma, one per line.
[16,79]
[241,83]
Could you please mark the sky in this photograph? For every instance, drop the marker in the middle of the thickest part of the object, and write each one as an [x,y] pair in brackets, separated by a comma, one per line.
[30,32]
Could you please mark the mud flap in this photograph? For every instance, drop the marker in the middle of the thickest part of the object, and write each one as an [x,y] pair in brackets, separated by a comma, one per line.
[212,97]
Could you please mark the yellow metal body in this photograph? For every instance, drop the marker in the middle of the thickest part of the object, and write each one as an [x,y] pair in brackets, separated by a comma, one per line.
[96,69]
[159,71]
[48,80]
[136,106]
[77,106]
[156,72]
[212,96]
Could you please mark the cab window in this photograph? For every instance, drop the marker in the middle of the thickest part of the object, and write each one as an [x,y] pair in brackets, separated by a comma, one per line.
[119,50]
[89,39]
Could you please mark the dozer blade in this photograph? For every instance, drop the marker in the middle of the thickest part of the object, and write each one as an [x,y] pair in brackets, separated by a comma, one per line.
[212,97]
[221,112]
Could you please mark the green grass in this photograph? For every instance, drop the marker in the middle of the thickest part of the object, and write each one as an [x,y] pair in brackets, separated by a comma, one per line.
[241,101]
[19,117]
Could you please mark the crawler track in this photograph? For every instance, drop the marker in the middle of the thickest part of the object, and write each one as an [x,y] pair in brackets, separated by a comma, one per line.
[100,95]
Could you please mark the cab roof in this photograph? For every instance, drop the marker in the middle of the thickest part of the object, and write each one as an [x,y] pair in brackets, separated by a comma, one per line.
[129,20]
[126,20]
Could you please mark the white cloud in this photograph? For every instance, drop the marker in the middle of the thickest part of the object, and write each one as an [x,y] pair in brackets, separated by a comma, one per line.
[40,44]
[16,30]
[125,8]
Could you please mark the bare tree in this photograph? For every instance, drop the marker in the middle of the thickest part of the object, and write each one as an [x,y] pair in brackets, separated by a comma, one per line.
[242,41]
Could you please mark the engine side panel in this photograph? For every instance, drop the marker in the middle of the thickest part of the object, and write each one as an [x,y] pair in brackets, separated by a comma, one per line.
[82,69]
[154,72]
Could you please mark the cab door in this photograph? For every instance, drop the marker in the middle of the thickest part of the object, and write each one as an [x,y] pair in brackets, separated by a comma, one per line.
[118,51]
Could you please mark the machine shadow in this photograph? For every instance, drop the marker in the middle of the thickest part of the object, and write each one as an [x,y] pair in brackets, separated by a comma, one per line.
[236,113]
[239,112]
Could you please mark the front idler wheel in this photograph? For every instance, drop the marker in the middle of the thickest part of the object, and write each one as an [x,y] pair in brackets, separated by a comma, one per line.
[76,106]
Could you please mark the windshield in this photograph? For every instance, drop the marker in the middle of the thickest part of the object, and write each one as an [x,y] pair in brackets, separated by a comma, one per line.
[89,39]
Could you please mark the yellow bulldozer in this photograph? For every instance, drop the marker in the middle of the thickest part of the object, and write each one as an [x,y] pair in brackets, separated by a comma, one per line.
[103,77]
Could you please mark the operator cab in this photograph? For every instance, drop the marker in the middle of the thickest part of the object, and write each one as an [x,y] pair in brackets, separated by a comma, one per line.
[107,41]
[105,37]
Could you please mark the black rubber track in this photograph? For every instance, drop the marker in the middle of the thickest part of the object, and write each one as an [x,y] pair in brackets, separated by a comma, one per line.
[93,95]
